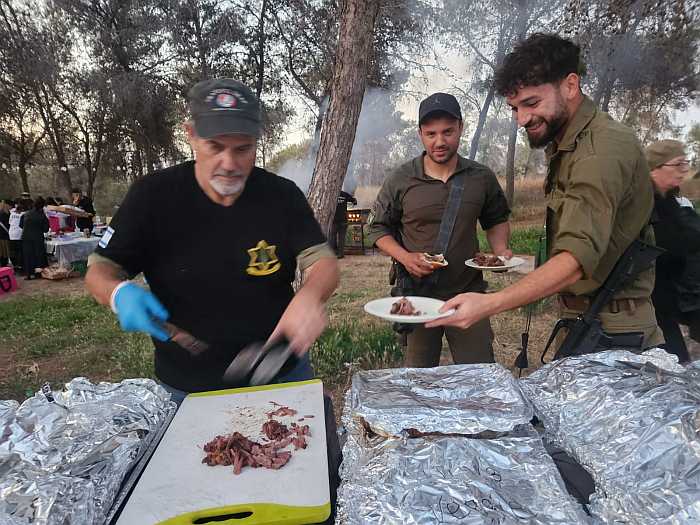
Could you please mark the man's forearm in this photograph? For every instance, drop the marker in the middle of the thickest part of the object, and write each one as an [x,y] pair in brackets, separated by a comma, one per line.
[321,279]
[498,237]
[388,245]
[559,272]
[101,279]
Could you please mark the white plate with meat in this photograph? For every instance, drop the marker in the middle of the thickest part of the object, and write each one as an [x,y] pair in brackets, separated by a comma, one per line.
[483,261]
[409,309]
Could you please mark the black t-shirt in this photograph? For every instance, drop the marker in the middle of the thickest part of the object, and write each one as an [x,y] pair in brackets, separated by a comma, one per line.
[224,273]
[85,222]
[5,220]
[341,208]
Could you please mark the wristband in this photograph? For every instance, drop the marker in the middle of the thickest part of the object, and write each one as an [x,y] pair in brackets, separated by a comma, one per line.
[114,294]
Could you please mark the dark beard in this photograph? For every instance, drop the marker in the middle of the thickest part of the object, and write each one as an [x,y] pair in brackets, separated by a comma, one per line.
[445,160]
[552,128]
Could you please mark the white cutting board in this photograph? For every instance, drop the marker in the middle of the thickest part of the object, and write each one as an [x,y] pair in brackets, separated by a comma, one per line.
[177,488]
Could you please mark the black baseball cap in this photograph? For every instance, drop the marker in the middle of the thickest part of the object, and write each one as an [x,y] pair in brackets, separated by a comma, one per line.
[224,106]
[439,102]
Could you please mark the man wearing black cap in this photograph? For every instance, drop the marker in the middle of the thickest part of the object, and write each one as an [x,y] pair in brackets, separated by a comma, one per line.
[224,271]
[219,241]
[431,205]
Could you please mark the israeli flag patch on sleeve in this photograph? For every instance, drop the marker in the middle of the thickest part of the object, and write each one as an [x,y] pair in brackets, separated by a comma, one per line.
[104,241]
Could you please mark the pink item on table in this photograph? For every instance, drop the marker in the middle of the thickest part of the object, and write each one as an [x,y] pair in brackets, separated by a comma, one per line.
[55,223]
[8,283]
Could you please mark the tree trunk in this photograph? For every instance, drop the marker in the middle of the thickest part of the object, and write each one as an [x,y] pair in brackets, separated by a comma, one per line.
[65,186]
[355,37]
[510,162]
[261,51]
[527,163]
[605,103]
[23,175]
[482,120]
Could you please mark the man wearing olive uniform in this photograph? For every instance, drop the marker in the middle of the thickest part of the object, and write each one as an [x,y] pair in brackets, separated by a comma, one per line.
[598,202]
[408,217]
[599,196]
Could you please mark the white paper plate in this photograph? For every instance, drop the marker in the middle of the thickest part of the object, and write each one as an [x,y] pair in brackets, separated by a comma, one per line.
[426,305]
[510,263]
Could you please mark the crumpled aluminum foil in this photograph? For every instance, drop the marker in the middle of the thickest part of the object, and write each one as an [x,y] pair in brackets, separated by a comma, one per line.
[63,462]
[447,475]
[448,479]
[634,426]
[457,399]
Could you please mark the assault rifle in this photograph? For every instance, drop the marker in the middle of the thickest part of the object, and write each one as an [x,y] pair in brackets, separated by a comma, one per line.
[585,334]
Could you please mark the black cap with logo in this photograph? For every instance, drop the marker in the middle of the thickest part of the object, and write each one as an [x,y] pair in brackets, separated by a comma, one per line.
[224,106]
[443,102]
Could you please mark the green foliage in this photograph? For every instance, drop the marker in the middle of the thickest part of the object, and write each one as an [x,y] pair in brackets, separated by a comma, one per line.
[523,241]
[351,345]
[291,152]
[135,357]
[693,140]
[44,326]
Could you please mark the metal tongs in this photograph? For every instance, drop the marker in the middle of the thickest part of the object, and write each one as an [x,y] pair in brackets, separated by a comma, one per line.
[259,363]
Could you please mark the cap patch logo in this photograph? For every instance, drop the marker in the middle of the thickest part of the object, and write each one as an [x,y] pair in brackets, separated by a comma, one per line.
[222,99]
[225,100]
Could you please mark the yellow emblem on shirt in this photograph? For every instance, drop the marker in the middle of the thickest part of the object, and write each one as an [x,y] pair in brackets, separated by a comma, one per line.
[263,259]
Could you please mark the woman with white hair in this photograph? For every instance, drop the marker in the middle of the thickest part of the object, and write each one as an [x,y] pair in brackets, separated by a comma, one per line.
[676,295]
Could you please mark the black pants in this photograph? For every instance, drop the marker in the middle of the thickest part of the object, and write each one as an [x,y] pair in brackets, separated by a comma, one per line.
[669,322]
[4,252]
[336,237]
[34,252]
[16,254]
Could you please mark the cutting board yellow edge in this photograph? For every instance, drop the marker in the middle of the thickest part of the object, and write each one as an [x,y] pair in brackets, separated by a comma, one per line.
[260,388]
[262,514]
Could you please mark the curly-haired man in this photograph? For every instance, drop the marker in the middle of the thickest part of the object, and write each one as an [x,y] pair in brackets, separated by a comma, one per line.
[599,194]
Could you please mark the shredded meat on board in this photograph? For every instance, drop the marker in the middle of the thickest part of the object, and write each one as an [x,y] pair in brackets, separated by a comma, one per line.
[484,259]
[282,411]
[275,430]
[238,451]
[404,307]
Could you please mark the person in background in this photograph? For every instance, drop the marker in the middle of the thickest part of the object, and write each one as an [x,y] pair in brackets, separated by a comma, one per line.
[34,224]
[676,294]
[408,218]
[5,206]
[339,228]
[15,234]
[57,220]
[84,203]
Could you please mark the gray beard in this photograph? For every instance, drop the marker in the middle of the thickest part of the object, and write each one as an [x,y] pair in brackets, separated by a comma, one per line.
[226,190]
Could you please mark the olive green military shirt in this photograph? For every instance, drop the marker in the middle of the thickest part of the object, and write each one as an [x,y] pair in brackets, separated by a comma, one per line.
[410,205]
[600,197]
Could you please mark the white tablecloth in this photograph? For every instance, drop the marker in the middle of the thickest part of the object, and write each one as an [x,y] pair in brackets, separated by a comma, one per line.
[71,249]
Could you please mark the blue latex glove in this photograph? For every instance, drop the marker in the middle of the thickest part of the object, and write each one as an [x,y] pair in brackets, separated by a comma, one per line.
[139,310]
